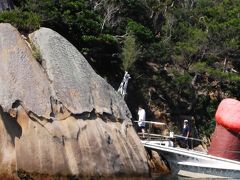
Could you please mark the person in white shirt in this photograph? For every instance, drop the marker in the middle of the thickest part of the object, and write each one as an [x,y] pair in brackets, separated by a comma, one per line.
[141,119]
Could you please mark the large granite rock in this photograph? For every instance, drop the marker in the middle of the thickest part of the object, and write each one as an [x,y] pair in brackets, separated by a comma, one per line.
[21,77]
[60,119]
[74,82]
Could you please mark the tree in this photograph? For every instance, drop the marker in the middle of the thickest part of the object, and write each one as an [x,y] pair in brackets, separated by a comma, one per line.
[130,52]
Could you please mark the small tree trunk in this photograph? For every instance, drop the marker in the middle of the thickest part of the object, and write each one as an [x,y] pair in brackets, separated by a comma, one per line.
[225,65]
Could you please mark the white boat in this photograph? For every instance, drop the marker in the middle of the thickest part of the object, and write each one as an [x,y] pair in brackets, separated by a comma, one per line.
[191,163]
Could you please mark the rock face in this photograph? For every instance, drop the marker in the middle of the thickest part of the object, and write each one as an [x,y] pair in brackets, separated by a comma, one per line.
[60,119]
[74,82]
[22,79]
[5,4]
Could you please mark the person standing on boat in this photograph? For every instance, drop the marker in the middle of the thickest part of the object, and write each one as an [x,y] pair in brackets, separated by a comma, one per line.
[185,132]
[141,119]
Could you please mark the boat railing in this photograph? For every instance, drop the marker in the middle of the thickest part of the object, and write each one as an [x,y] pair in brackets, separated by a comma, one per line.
[159,137]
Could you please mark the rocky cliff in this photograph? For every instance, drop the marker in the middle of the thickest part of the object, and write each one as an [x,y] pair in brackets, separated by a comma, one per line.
[58,118]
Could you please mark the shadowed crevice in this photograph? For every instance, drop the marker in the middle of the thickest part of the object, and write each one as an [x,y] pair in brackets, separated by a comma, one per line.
[11,125]
[86,115]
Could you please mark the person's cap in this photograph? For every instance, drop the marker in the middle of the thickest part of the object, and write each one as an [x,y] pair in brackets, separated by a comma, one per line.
[186,121]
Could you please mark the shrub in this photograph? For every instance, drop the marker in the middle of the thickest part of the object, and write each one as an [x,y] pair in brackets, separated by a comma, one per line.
[36,53]
[141,32]
[130,52]
[23,21]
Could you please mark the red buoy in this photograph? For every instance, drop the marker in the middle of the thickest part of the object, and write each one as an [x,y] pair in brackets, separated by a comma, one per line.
[228,114]
[225,141]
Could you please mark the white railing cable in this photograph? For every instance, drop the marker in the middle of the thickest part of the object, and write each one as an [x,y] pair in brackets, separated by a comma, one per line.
[175,135]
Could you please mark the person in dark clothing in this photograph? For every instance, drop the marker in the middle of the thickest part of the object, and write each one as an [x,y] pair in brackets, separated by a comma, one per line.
[185,133]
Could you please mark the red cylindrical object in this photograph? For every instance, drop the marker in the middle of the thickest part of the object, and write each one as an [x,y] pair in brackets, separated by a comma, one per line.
[225,144]
[228,114]
[225,141]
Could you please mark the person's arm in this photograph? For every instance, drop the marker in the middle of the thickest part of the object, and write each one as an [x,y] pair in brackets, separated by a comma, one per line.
[188,130]
[187,134]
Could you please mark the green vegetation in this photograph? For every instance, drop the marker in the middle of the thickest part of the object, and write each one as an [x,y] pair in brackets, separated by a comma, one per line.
[24,21]
[202,67]
[130,52]
[36,53]
[187,51]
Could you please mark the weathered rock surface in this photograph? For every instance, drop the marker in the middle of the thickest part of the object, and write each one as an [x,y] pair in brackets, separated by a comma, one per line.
[61,119]
[21,77]
[5,4]
[75,83]
[157,165]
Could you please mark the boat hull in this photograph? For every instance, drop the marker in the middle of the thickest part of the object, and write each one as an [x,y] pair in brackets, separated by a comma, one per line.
[190,163]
